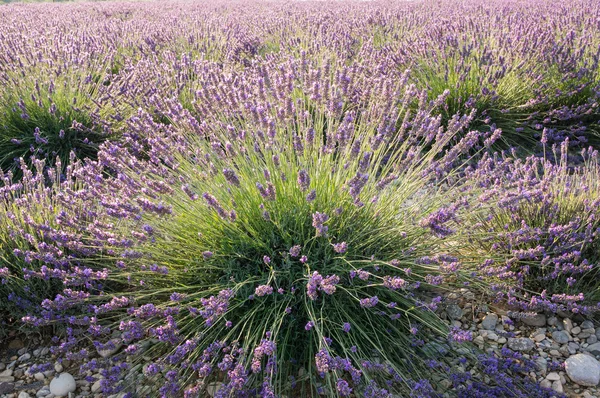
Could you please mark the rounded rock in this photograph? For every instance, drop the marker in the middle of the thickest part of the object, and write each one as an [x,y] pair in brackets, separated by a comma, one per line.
[560,336]
[520,344]
[583,369]
[489,322]
[536,320]
[63,384]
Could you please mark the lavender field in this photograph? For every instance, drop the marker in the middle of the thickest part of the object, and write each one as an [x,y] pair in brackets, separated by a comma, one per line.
[300,199]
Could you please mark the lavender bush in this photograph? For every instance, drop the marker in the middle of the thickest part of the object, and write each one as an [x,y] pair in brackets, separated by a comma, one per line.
[273,262]
[536,230]
[255,199]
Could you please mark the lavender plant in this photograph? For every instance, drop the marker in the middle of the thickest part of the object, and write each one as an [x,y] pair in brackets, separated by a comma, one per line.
[275,261]
[58,93]
[537,232]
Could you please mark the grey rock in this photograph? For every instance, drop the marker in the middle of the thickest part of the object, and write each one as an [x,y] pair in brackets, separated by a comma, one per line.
[454,311]
[583,369]
[592,339]
[568,325]
[557,386]
[587,325]
[43,392]
[552,321]
[520,344]
[7,372]
[25,357]
[96,386]
[594,348]
[110,351]
[23,394]
[542,365]
[489,322]
[560,336]
[6,388]
[63,384]
[537,320]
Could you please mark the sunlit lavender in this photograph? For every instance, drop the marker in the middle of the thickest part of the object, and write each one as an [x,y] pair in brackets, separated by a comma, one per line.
[285,199]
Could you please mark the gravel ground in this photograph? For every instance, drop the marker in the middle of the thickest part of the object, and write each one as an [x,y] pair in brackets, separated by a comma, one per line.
[571,342]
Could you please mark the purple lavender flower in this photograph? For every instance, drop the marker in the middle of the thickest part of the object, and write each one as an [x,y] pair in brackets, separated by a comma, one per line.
[346,327]
[295,250]
[340,247]
[369,302]
[303,180]
[318,220]
[263,290]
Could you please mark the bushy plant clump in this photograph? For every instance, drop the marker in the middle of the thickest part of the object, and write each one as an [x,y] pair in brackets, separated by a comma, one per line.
[283,259]
[40,243]
[59,92]
[536,229]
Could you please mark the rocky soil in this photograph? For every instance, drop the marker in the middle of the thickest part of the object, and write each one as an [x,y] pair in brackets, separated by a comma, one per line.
[566,349]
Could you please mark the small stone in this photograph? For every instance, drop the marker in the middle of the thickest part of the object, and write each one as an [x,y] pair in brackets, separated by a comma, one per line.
[552,376]
[96,386]
[62,384]
[25,357]
[592,339]
[546,384]
[576,330]
[561,337]
[39,376]
[593,348]
[15,344]
[557,386]
[554,353]
[542,365]
[587,325]
[478,340]
[539,337]
[567,325]
[454,311]
[23,394]
[502,340]
[583,369]
[537,320]
[43,392]
[58,367]
[6,373]
[520,344]
[6,388]
[489,322]
[552,321]
[110,351]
